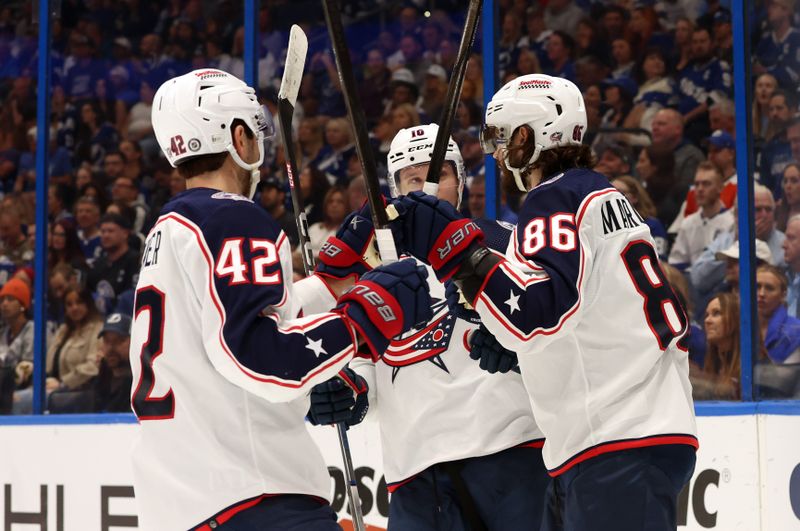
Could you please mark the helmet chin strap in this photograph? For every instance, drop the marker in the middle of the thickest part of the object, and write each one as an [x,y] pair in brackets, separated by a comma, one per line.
[255,174]
[517,172]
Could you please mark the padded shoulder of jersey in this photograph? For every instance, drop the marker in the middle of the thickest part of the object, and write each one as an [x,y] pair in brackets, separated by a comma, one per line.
[496,233]
[564,192]
[223,212]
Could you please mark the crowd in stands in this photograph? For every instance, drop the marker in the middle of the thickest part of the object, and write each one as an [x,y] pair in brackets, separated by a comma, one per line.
[657,82]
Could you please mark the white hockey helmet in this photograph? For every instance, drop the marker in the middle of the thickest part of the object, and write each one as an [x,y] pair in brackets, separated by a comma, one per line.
[193,113]
[552,106]
[413,146]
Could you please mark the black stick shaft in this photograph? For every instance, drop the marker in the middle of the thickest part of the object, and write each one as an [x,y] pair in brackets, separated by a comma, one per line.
[454,92]
[347,80]
[285,113]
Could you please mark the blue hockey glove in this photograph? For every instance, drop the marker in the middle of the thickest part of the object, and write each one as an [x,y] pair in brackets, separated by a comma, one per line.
[350,252]
[492,355]
[456,305]
[433,231]
[385,302]
[340,399]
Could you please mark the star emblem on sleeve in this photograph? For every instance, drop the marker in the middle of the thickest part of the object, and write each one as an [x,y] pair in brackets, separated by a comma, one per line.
[315,346]
[512,302]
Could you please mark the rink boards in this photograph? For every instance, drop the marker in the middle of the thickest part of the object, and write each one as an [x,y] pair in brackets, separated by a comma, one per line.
[73,473]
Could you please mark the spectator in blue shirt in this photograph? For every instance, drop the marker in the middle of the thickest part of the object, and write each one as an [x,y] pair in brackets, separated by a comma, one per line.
[776,152]
[780,331]
[559,51]
[778,52]
[705,80]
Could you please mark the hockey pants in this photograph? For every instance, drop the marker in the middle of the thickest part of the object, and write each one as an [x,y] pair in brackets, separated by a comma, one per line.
[507,488]
[629,490]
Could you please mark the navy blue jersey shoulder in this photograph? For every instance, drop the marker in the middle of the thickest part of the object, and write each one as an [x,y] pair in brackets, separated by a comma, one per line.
[496,234]
[562,193]
[222,214]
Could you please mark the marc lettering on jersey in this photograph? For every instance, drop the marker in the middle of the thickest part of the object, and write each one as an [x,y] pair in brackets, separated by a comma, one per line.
[151,248]
[618,214]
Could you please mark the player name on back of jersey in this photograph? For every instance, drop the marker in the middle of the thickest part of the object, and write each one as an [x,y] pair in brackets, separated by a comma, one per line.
[151,248]
[618,214]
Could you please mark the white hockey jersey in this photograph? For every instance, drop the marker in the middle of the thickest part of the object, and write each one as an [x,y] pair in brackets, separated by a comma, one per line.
[221,370]
[435,404]
[598,330]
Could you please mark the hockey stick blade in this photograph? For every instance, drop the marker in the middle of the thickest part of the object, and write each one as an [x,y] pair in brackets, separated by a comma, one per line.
[453,97]
[287,98]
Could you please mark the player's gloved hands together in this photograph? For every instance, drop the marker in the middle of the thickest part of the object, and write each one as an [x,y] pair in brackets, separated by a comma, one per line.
[456,304]
[493,356]
[386,302]
[340,399]
[433,231]
[350,251]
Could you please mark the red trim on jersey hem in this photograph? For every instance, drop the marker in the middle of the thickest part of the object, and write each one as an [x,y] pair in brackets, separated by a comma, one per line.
[391,487]
[535,443]
[221,338]
[626,444]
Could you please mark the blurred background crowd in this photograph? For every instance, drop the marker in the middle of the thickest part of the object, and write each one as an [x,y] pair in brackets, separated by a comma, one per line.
[657,82]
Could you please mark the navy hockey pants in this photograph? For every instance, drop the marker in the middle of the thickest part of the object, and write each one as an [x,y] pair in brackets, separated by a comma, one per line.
[629,490]
[289,512]
[508,490]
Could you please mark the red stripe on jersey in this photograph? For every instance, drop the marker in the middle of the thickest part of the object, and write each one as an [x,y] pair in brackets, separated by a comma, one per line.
[617,446]
[536,443]
[391,487]
[217,304]
[229,513]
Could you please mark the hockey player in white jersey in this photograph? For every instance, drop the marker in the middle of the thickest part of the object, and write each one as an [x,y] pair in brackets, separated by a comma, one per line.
[580,297]
[222,365]
[474,457]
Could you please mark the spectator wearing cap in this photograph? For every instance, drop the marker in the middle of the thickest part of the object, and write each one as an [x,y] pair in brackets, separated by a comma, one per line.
[560,47]
[668,134]
[791,255]
[777,151]
[721,153]
[614,160]
[723,35]
[778,52]
[703,82]
[434,90]
[117,268]
[71,355]
[780,331]
[112,387]
[16,339]
[273,199]
[730,260]
[402,88]
[699,229]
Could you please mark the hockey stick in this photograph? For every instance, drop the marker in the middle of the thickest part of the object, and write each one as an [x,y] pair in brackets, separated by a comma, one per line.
[453,97]
[355,113]
[287,98]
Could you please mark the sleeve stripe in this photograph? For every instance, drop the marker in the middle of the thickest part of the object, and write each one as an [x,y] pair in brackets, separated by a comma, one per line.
[215,298]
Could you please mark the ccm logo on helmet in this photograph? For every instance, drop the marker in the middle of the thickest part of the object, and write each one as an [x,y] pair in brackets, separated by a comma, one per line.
[456,238]
[535,83]
[420,147]
[383,309]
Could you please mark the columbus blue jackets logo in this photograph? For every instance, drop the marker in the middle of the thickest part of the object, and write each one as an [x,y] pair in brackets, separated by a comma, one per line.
[426,344]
